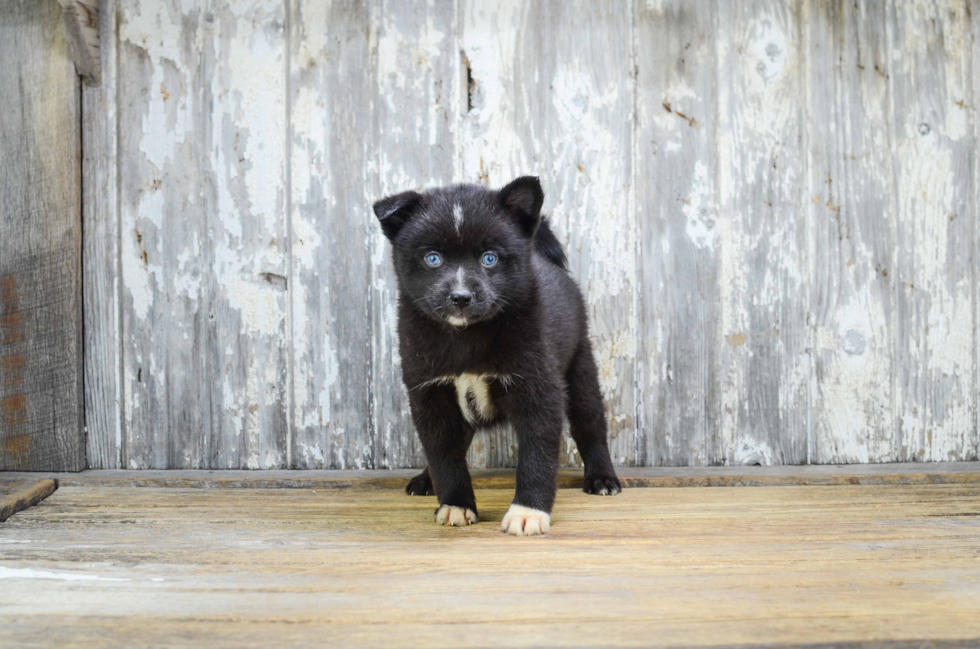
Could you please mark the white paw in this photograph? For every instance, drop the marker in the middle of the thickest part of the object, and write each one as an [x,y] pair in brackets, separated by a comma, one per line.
[524,521]
[456,516]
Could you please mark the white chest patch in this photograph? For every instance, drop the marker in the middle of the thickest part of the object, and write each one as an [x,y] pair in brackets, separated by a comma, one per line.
[473,393]
[473,396]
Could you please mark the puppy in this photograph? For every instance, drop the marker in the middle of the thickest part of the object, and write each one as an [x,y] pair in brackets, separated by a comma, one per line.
[492,328]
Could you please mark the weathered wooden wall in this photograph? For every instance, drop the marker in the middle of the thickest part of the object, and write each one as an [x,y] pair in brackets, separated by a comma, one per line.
[40,243]
[770,204]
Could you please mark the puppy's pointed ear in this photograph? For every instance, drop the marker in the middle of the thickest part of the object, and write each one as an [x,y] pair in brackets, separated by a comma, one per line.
[394,211]
[523,199]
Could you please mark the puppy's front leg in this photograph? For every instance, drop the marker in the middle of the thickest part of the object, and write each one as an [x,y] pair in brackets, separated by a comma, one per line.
[445,437]
[537,412]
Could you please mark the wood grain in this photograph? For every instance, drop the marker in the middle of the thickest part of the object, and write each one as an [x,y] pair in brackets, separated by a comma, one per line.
[976,229]
[417,108]
[249,567]
[934,167]
[560,108]
[203,142]
[852,235]
[23,496]
[103,342]
[762,167]
[81,20]
[333,182]
[41,424]
[896,473]
[244,121]
[164,127]
[770,206]
[679,305]
[490,148]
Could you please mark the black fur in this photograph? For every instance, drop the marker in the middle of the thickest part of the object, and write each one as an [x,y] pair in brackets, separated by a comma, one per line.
[547,244]
[525,320]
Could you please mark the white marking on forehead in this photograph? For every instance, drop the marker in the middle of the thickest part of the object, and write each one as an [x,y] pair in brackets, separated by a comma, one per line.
[457,216]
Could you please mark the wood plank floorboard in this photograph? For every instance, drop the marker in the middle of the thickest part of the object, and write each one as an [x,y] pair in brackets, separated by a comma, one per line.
[885,566]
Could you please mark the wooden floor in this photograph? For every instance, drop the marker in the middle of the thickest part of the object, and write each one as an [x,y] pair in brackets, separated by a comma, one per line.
[851,565]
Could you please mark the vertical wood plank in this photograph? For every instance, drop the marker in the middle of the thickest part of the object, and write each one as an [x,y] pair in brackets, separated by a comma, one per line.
[586,142]
[416,110]
[245,122]
[762,162]
[679,303]
[560,107]
[100,258]
[333,179]
[163,151]
[852,234]
[935,154]
[203,238]
[975,14]
[40,243]
[489,143]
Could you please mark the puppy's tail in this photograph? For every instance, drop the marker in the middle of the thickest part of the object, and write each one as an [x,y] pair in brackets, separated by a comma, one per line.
[548,245]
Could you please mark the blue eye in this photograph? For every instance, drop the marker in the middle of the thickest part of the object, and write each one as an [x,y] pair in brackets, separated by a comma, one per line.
[433,259]
[489,259]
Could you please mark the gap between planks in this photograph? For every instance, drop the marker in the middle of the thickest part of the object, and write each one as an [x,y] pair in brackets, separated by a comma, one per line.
[636,477]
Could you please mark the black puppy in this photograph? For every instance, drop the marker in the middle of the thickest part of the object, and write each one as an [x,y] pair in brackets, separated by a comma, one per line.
[492,327]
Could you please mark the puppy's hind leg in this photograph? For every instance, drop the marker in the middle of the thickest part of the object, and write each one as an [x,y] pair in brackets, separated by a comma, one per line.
[420,485]
[587,420]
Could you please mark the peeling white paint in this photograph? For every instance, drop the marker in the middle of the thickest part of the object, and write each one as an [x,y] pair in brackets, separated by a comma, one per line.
[936,392]
[492,151]
[312,454]
[751,452]
[700,210]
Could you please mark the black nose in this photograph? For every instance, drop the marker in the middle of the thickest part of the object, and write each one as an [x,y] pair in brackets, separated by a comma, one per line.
[461,298]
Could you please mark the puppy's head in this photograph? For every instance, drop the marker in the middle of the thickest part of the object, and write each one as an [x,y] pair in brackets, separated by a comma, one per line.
[463,253]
